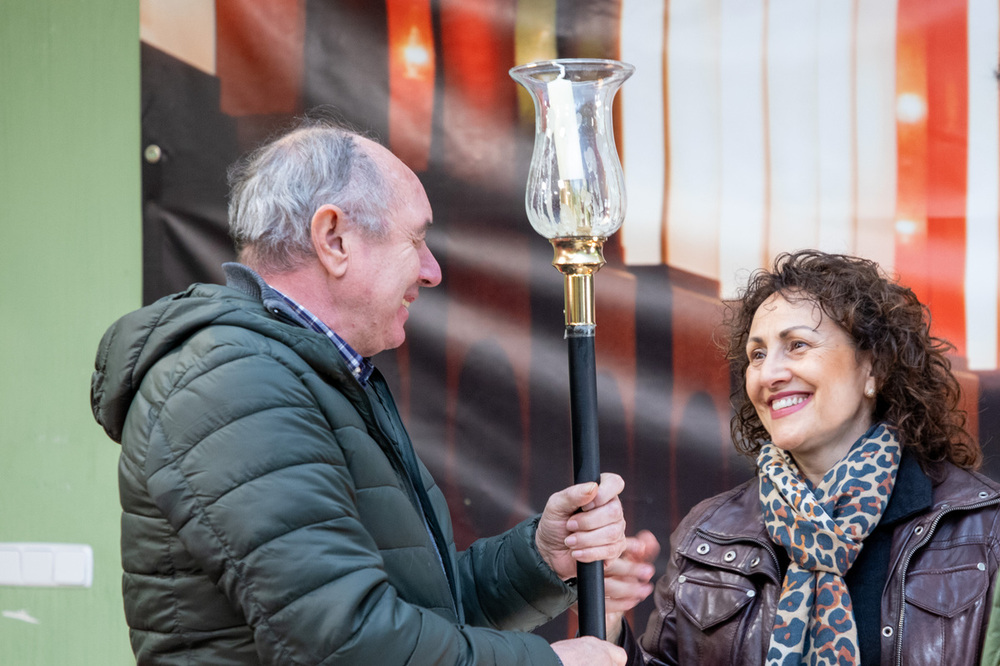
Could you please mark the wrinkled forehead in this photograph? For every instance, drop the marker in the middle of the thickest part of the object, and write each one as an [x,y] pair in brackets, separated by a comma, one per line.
[405,189]
[793,308]
[798,307]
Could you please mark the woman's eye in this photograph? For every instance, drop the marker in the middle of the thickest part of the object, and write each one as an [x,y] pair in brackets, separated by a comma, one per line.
[797,344]
[755,354]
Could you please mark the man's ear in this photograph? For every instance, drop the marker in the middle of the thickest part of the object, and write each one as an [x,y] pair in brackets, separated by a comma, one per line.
[327,230]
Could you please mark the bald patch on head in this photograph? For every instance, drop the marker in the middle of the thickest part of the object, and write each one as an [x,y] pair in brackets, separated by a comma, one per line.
[401,182]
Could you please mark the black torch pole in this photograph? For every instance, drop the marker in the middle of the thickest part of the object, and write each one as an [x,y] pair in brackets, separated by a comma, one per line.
[586,466]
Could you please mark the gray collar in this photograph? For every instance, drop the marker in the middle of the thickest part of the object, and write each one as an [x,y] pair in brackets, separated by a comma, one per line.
[246,281]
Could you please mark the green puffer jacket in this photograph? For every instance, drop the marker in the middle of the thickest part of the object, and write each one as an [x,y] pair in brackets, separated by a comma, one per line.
[268,512]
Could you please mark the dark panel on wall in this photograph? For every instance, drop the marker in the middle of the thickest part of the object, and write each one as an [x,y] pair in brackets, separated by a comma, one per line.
[347,65]
[989,421]
[484,469]
[185,238]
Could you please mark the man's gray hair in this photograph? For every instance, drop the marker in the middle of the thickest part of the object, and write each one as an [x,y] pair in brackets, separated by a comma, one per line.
[276,189]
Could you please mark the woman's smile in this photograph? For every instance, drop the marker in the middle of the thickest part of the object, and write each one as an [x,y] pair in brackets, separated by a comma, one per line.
[782,405]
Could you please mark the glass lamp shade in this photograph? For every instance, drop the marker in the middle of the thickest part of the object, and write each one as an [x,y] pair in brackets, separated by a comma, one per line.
[576,187]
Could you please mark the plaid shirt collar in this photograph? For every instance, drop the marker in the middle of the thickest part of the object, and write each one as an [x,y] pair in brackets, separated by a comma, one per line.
[361,367]
[280,305]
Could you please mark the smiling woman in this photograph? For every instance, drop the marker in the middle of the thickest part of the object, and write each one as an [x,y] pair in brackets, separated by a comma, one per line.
[914,387]
[811,388]
[865,492]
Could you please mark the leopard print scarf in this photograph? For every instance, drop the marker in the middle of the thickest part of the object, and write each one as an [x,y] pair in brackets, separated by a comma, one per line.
[823,531]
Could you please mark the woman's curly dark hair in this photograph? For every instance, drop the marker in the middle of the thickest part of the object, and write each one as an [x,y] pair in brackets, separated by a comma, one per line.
[916,390]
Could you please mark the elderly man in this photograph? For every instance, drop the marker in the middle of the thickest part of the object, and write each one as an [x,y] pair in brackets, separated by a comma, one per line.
[274,510]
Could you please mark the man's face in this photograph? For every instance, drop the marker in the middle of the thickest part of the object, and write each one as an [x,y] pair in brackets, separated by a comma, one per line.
[388,272]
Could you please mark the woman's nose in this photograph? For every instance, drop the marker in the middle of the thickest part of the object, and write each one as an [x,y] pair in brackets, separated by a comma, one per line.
[774,370]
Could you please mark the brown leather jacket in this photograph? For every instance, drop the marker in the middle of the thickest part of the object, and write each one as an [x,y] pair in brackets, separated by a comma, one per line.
[716,603]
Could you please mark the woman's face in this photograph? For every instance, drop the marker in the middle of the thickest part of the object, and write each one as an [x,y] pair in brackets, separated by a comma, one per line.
[807,382]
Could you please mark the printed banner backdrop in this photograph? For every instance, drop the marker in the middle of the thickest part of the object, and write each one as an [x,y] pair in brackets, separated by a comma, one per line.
[751,127]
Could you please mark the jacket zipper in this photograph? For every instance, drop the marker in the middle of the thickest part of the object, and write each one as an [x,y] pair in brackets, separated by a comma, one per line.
[426,513]
[906,566]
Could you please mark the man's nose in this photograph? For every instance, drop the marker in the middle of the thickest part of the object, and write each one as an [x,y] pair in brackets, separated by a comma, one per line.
[430,270]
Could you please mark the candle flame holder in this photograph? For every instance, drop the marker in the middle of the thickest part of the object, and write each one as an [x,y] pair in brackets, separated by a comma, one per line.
[575,197]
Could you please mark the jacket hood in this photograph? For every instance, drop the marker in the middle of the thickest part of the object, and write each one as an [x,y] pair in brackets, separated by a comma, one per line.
[137,341]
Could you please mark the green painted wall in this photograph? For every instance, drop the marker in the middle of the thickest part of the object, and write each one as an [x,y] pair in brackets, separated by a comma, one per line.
[70,263]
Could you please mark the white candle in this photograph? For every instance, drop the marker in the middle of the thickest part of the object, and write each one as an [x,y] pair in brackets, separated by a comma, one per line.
[565,132]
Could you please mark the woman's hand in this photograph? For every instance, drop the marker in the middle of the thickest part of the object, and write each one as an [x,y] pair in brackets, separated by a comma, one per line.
[627,579]
[589,651]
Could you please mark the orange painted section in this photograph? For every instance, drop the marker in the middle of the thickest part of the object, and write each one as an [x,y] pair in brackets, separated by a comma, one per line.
[412,68]
[259,56]
[932,131]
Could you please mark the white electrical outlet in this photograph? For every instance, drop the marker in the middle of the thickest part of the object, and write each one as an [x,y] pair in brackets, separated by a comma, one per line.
[46,564]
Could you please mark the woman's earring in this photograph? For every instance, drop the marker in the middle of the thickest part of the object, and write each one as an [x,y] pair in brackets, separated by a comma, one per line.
[870,392]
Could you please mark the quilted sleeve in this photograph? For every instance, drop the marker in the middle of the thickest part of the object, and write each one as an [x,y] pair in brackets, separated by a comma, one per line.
[507,585]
